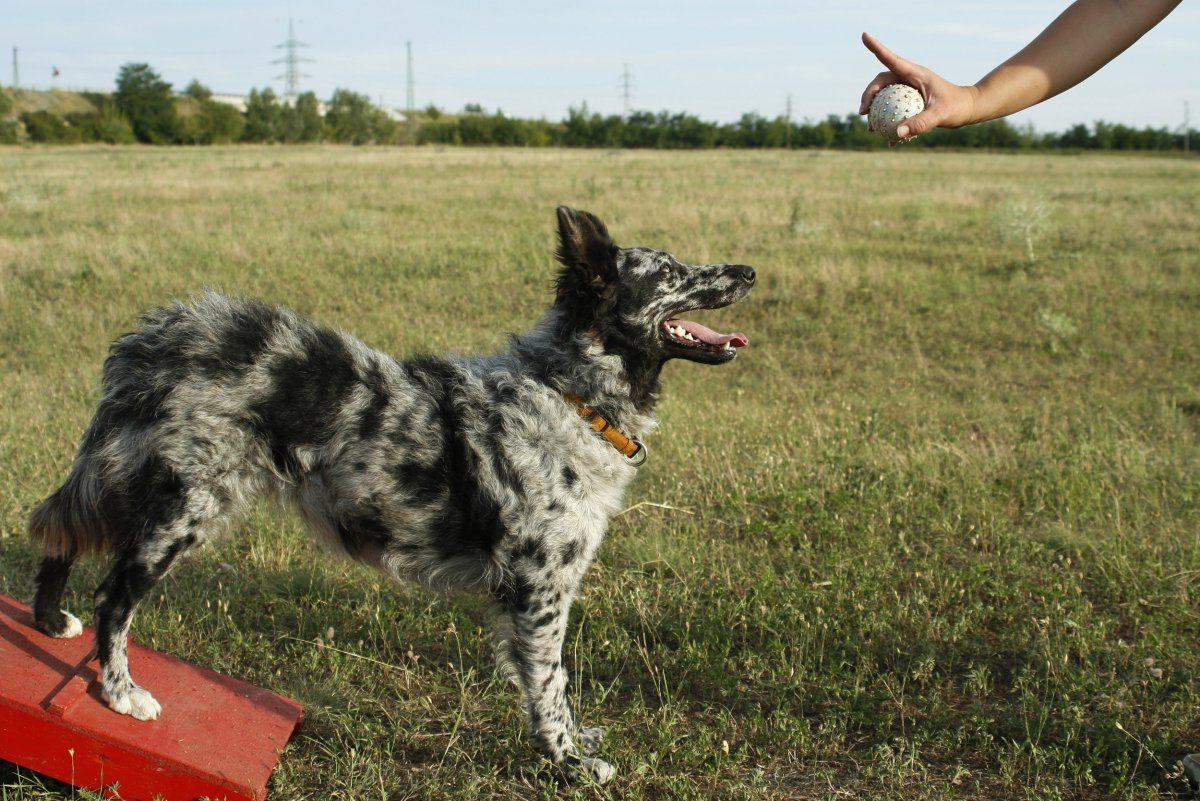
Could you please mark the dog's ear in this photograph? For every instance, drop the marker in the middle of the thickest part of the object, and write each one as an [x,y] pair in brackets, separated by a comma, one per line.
[587,281]
[583,240]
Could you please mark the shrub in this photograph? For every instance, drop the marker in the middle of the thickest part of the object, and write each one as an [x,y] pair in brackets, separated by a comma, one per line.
[220,123]
[42,126]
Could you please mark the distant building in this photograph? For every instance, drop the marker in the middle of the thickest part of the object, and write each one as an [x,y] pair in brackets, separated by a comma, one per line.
[239,102]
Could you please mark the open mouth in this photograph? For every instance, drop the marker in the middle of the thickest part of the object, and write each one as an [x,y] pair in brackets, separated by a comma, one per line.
[700,340]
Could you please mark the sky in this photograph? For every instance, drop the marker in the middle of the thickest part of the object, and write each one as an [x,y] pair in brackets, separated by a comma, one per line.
[717,60]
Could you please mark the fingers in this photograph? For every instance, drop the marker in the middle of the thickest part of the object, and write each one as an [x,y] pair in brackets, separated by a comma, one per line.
[878,82]
[899,70]
[893,62]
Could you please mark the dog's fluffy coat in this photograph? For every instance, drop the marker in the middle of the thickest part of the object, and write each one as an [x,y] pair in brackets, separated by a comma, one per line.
[471,472]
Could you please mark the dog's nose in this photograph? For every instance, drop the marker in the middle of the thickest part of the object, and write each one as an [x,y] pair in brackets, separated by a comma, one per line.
[746,273]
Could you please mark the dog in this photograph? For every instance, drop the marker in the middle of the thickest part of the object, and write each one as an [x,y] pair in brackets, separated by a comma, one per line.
[498,473]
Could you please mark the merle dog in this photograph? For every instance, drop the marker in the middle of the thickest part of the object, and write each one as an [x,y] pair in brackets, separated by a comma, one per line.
[498,473]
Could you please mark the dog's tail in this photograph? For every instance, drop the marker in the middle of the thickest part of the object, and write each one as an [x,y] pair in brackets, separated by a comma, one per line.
[70,522]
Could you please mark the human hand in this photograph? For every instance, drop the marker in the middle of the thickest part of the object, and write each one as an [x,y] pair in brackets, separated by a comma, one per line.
[947,105]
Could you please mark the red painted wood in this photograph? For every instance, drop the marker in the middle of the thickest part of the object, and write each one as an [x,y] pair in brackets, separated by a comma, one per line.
[217,737]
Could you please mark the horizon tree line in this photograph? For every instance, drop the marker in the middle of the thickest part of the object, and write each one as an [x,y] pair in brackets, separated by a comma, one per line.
[144,108]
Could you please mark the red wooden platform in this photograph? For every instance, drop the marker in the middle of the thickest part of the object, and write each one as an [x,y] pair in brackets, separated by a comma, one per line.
[217,737]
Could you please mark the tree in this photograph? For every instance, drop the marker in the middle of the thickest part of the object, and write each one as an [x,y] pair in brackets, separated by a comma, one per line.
[145,100]
[301,122]
[198,90]
[311,124]
[263,117]
[351,118]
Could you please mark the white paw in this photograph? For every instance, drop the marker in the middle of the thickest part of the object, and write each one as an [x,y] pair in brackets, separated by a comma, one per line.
[137,703]
[73,628]
[598,769]
[589,738]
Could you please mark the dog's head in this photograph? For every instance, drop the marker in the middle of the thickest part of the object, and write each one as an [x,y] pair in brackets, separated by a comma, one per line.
[630,299]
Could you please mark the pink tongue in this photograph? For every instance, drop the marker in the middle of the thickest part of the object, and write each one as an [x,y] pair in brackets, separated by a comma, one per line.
[709,336]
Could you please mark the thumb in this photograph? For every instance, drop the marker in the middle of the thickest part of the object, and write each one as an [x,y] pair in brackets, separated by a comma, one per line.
[927,120]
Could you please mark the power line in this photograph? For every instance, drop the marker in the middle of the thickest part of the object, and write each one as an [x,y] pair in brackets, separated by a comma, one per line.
[291,73]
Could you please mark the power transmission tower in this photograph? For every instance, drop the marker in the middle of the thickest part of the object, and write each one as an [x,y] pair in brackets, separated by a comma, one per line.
[16,72]
[410,100]
[626,86]
[291,72]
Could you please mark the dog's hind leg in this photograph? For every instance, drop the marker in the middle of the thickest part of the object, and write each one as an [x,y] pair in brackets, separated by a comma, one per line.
[136,569]
[51,581]
[532,649]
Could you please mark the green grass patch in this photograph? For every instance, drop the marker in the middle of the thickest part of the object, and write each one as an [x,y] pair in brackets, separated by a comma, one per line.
[934,534]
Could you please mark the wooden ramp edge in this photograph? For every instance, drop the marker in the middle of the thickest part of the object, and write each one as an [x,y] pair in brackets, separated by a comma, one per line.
[217,737]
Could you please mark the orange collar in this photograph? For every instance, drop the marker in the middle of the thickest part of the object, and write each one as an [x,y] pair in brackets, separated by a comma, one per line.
[630,448]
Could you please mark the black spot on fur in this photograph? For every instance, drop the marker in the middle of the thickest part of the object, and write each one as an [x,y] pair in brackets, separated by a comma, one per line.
[153,495]
[570,552]
[307,392]
[545,620]
[173,550]
[568,476]
[531,549]
[424,484]
[516,594]
[471,515]
[249,329]
[372,415]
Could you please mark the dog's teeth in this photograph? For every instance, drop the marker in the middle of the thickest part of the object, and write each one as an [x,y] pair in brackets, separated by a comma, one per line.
[727,346]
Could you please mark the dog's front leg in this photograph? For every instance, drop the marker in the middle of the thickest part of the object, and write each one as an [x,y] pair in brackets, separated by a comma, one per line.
[535,655]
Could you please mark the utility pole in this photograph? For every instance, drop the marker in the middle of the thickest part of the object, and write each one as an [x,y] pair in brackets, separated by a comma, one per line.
[788,129]
[1187,127]
[626,86]
[291,72]
[410,100]
[16,72]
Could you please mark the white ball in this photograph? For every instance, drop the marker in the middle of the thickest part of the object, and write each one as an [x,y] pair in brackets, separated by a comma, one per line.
[893,105]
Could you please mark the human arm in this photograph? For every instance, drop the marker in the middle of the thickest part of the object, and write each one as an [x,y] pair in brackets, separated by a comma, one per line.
[1085,37]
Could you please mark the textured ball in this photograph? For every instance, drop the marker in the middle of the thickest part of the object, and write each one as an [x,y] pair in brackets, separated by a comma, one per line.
[893,105]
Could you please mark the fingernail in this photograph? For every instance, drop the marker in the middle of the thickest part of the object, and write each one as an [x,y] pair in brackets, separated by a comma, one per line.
[902,132]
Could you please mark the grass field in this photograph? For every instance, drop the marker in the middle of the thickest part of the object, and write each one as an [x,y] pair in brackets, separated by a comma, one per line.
[935,534]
